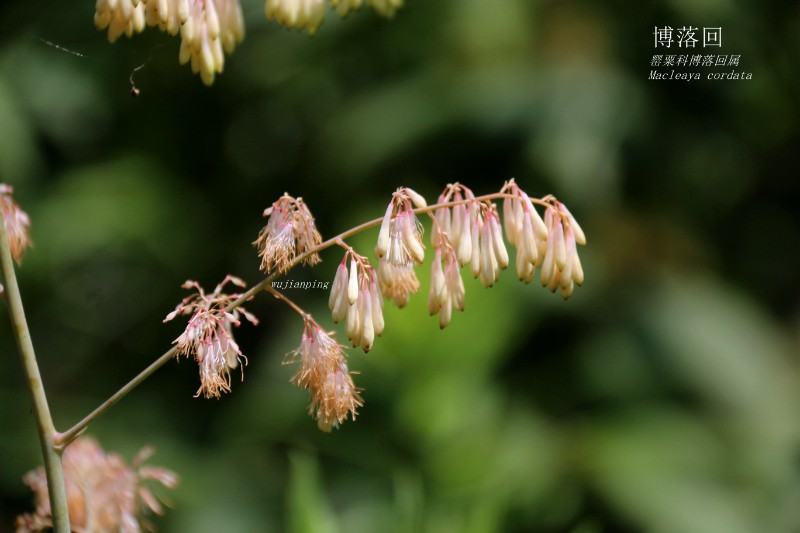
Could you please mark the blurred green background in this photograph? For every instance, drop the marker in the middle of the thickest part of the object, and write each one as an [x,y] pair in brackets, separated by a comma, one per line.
[663,396]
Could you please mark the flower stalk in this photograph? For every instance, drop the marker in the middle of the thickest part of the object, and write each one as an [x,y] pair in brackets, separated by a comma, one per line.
[44,421]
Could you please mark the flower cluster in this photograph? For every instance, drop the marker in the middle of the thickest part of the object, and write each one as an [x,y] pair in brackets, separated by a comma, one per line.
[210,27]
[120,17]
[17,223]
[207,27]
[447,287]
[550,243]
[290,231]
[323,371]
[209,336]
[400,247]
[468,231]
[103,493]
[308,14]
[356,296]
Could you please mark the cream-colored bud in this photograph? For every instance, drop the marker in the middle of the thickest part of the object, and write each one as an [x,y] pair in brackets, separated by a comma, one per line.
[499,246]
[338,302]
[488,259]
[464,249]
[138,18]
[207,67]
[368,330]
[412,242]
[558,244]
[577,268]
[163,9]
[352,285]
[548,265]
[454,284]
[527,243]
[509,221]
[445,313]
[525,269]
[580,237]
[566,291]
[335,288]
[459,221]
[475,259]
[383,236]
[183,10]
[212,20]
[353,326]
[539,227]
[437,293]
[442,224]
[377,309]
[416,198]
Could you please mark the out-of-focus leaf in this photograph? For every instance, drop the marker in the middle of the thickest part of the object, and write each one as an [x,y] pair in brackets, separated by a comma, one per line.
[308,511]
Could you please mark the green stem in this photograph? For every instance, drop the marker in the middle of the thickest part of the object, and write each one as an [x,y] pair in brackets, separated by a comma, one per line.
[44,421]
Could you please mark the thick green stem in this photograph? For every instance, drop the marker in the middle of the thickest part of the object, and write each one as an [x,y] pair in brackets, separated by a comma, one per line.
[44,422]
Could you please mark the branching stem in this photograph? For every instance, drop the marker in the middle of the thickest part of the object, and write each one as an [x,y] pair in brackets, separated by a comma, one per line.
[44,421]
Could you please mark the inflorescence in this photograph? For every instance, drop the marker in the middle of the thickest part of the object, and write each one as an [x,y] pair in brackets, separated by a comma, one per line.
[467,232]
[209,29]
[209,335]
[104,494]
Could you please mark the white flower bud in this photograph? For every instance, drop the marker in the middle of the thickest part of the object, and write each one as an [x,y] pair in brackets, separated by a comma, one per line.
[352,285]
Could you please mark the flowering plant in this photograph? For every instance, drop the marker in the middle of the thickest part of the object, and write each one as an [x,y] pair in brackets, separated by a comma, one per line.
[101,493]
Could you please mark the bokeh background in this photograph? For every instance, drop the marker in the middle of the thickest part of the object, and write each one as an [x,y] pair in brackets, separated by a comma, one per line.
[664,396]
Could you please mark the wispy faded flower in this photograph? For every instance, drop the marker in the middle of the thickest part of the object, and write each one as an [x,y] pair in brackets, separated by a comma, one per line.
[104,494]
[17,223]
[323,371]
[290,231]
[209,335]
